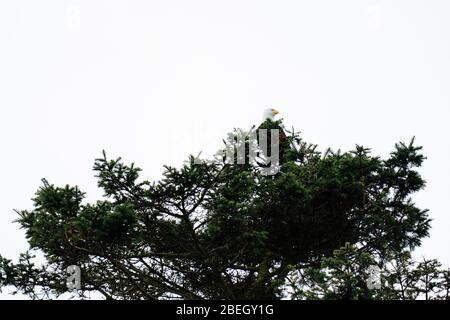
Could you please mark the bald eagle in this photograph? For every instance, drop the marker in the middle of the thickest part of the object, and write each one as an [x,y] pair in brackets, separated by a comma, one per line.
[270,114]
[269,123]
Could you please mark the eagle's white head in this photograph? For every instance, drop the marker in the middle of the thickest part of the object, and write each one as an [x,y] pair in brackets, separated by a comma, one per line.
[270,114]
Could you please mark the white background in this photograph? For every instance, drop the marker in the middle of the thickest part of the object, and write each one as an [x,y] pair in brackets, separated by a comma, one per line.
[153,81]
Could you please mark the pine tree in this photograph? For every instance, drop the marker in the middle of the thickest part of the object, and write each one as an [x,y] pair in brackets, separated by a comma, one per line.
[215,230]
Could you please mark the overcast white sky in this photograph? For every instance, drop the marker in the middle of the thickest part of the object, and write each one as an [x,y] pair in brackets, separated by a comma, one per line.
[153,81]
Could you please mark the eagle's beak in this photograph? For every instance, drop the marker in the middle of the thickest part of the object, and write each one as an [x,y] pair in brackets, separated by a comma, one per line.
[274,111]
